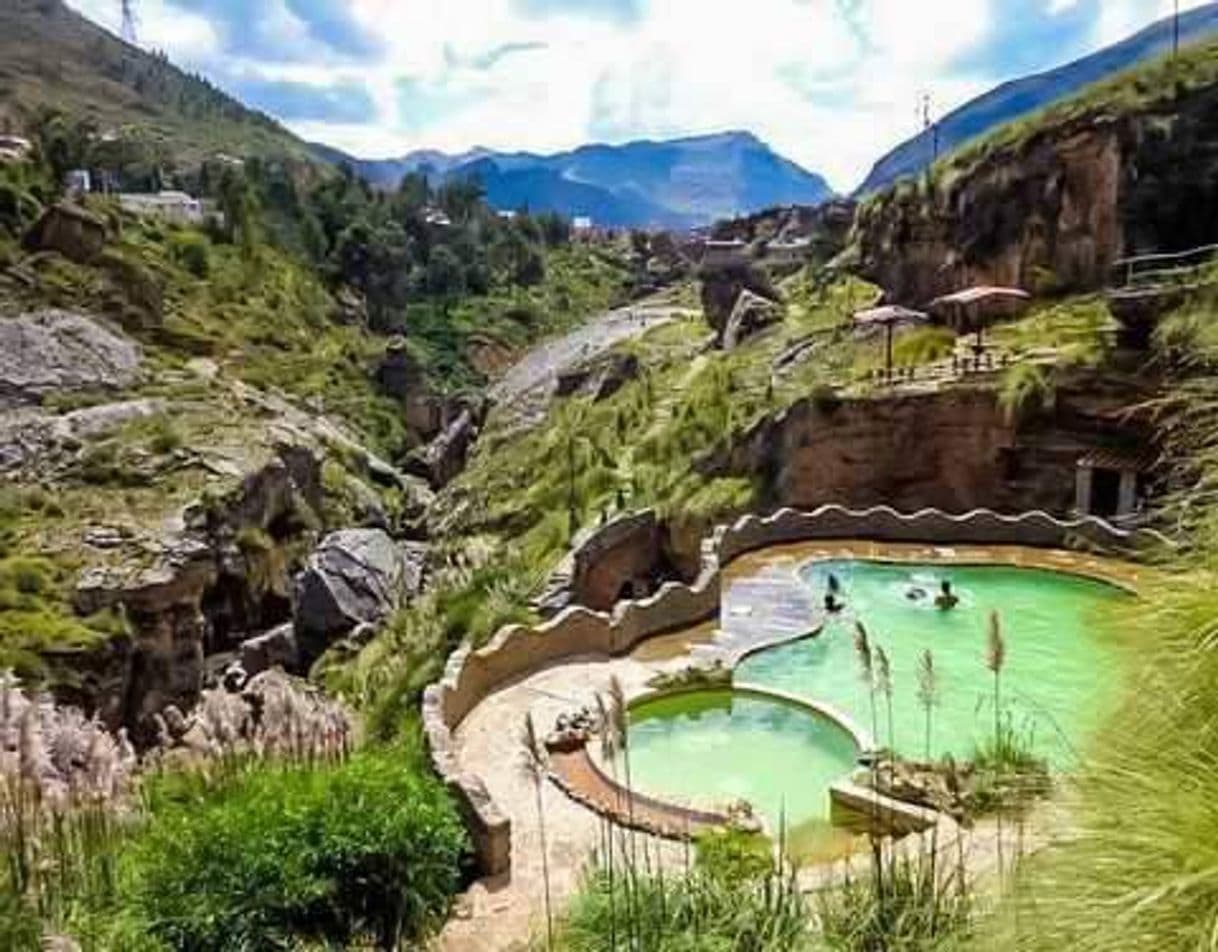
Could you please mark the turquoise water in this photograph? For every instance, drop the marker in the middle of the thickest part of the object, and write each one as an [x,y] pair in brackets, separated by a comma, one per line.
[710,748]
[1059,676]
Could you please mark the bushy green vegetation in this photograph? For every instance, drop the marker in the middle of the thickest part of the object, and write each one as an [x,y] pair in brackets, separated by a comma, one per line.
[36,618]
[368,849]
[245,855]
[1079,330]
[1026,390]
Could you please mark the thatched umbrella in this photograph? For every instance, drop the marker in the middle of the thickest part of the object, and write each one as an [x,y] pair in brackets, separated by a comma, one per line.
[888,317]
[974,309]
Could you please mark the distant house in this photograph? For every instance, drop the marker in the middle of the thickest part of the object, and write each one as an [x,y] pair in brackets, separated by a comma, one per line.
[437,218]
[581,224]
[507,215]
[718,254]
[177,207]
[791,251]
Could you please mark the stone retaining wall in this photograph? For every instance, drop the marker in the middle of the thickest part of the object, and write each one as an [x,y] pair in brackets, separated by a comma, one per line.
[517,651]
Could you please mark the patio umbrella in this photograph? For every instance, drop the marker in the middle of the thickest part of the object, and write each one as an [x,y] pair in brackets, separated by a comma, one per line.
[975,308]
[888,317]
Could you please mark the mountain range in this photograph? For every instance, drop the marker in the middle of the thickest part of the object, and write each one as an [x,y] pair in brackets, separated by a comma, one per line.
[1021,97]
[52,57]
[679,183]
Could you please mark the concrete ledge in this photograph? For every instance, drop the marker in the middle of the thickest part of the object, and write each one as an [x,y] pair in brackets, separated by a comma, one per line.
[517,651]
[850,802]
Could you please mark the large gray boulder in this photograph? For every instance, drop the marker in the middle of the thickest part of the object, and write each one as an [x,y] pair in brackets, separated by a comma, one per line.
[52,351]
[751,315]
[356,576]
[275,648]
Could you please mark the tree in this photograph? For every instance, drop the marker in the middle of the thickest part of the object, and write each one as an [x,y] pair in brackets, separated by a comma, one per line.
[445,275]
[240,209]
[460,199]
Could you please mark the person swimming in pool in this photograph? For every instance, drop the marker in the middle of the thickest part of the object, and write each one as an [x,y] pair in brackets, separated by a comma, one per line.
[946,600]
[833,604]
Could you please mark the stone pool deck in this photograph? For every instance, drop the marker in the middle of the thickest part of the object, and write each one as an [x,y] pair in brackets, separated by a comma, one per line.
[763,603]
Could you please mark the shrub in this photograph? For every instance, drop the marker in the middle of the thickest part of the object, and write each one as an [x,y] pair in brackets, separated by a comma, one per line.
[1026,391]
[191,250]
[368,849]
[925,345]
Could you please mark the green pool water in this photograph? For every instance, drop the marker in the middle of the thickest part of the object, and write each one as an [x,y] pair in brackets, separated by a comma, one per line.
[1061,671]
[712,747]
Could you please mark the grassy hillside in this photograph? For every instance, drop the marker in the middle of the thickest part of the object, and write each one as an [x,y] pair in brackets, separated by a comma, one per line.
[1021,97]
[53,58]
[1146,88]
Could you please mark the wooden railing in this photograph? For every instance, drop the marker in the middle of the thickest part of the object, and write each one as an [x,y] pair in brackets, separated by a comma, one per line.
[1159,269]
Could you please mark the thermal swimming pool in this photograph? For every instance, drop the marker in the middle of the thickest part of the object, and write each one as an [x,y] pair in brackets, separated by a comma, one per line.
[1061,670]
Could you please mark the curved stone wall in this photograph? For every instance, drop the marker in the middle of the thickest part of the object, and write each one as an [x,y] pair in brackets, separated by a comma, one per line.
[516,651]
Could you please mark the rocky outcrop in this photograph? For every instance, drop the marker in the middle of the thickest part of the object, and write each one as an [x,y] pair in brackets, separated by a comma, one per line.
[443,459]
[39,442]
[70,230]
[58,352]
[164,664]
[751,315]
[356,576]
[721,290]
[1054,210]
[956,450]
[599,378]
[622,559]
[202,586]
[276,648]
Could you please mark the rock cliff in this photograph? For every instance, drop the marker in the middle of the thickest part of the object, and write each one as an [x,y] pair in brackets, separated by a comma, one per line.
[1050,210]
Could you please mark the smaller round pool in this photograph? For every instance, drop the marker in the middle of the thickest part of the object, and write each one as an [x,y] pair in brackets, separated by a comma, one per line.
[708,748]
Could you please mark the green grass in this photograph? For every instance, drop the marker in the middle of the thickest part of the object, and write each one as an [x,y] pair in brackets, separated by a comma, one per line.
[734,898]
[53,58]
[1139,870]
[37,620]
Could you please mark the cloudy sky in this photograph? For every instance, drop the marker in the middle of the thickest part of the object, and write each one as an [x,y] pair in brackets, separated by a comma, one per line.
[829,83]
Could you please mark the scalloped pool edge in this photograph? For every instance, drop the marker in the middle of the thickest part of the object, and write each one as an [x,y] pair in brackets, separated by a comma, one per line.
[516,651]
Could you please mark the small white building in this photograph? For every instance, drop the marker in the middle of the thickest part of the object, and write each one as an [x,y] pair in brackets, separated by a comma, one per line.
[507,215]
[177,207]
[581,224]
[719,254]
[437,217]
[78,182]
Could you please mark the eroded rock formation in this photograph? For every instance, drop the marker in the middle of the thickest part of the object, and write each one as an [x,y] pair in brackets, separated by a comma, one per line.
[1054,211]
[53,351]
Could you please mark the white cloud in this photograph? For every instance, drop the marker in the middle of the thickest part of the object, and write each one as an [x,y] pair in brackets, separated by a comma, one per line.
[832,84]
